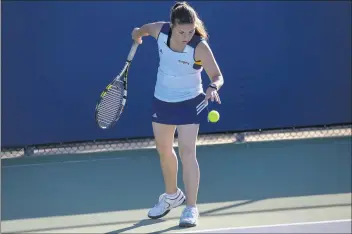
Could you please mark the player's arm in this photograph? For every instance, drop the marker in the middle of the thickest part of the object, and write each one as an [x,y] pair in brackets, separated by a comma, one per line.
[206,56]
[150,29]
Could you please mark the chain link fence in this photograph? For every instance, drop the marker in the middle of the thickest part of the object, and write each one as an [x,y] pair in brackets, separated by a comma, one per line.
[203,139]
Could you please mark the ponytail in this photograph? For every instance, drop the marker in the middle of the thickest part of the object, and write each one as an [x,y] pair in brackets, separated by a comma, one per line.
[200,29]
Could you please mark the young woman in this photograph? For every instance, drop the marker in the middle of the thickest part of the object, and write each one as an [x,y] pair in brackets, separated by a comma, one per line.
[183,52]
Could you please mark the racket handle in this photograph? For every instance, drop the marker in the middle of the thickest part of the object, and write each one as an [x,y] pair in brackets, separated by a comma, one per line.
[132,51]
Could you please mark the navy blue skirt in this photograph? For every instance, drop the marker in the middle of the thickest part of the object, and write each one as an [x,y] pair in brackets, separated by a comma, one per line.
[178,113]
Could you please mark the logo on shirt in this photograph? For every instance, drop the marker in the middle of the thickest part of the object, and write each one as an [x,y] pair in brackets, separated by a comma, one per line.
[183,62]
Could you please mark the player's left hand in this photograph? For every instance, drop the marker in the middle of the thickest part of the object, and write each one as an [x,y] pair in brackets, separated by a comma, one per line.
[213,95]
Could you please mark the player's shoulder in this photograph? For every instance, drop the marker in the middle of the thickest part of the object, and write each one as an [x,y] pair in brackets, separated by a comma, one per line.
[164,27]
[202,50]
[197,41]
[160,24]
[155,28]
[203,45]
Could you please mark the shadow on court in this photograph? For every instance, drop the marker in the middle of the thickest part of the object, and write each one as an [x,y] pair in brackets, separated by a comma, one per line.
[145,223]
[172,228]
[142,223]
[132,180]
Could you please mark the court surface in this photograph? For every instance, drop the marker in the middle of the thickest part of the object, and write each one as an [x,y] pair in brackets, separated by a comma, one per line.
[278,187]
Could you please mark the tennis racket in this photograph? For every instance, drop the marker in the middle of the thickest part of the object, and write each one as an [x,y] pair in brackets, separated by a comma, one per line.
[113,98]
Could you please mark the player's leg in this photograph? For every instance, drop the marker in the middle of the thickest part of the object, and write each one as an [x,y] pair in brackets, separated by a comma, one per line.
[164,139]
[187,137]
[173,197]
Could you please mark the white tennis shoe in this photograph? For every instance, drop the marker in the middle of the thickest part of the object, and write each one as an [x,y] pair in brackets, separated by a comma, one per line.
[166,203]
[189,217]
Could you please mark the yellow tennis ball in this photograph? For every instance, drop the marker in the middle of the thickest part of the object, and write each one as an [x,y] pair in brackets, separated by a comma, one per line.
[213,116]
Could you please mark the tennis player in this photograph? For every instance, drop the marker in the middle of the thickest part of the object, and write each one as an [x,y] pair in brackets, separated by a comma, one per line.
[183,52]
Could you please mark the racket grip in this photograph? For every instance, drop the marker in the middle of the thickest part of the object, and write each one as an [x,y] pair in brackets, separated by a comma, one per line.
[132,51]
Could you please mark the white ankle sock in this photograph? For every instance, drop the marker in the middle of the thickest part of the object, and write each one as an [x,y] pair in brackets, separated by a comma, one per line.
[172,195]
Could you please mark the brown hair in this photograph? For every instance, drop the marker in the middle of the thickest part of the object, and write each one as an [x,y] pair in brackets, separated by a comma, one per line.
[183,13]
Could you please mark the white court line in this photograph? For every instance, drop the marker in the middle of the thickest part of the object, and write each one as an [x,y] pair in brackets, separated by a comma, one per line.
[264,226]
[64,162]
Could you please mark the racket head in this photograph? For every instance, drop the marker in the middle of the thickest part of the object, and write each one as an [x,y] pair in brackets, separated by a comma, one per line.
[112,102]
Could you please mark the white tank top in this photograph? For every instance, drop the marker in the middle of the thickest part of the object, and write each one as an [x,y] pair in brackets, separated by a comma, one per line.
[179,75]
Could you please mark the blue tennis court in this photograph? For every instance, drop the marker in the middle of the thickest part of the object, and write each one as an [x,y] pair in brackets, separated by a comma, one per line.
[276,186]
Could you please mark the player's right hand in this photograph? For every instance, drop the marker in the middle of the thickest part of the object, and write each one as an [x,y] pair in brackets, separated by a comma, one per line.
[136,37]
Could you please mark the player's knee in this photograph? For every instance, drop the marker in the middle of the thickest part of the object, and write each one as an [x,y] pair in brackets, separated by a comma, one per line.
[187,153]
[165,150]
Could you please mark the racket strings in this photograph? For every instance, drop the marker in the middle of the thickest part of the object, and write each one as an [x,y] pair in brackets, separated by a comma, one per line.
[111,106]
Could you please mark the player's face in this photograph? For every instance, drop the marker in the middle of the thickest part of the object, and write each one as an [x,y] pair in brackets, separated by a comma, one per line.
[184,32]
